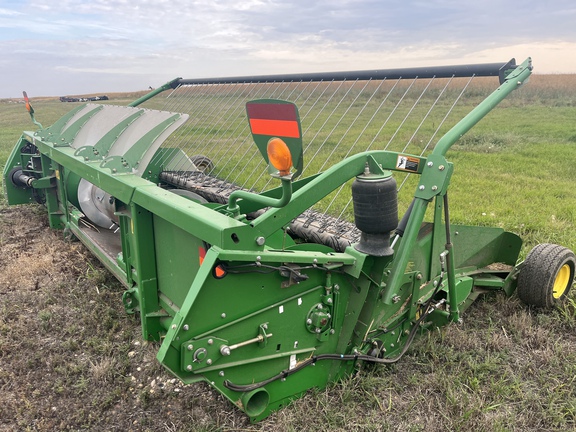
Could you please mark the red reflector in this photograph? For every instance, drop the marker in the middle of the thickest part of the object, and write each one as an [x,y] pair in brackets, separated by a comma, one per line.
[219,272]
[282,128]
[274,111]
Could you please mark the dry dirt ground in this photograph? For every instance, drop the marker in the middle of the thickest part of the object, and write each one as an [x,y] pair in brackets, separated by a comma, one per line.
[71,359]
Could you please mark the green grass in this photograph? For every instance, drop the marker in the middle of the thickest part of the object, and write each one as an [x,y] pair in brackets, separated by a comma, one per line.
[70,359]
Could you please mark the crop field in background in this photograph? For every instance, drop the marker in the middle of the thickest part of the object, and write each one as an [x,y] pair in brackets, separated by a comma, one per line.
[71,359]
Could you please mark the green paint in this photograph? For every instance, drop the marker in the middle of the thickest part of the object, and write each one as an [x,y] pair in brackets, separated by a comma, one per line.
[258,304]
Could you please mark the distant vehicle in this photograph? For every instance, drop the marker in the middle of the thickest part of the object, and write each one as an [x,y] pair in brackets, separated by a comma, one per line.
[90,99]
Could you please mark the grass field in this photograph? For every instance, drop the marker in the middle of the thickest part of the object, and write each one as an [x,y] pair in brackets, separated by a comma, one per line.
[71,359]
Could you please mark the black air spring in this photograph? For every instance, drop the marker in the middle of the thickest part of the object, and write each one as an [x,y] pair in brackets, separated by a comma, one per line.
[375,200]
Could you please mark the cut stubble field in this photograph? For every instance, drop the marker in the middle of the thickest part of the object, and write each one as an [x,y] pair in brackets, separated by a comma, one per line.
[71,359]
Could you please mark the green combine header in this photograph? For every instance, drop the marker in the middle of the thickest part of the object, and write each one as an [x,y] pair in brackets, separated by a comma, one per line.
[273,233]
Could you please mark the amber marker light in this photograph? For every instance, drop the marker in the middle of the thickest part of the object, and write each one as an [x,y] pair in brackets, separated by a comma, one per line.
[279,156]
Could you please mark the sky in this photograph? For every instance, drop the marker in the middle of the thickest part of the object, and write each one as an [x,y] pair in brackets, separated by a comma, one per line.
[71,47]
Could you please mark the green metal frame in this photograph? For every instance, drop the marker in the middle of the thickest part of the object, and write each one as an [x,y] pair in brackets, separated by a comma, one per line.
[276,306]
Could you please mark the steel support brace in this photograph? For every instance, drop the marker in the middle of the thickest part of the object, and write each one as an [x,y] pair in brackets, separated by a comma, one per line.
[143,270]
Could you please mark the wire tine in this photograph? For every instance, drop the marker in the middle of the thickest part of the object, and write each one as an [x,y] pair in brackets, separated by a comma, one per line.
[340,116]
[230,124]
[194,123]
[195,142]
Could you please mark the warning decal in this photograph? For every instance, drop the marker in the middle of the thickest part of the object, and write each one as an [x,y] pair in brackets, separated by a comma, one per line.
[407,163]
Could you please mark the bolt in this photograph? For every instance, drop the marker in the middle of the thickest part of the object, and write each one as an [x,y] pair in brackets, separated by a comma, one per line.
[210,341]
[441,167]
[114,170]
[260,241]
[223,315]
[308,321]
[332,331]
[422,187]
[329,300]
[186,327]
[209,362]
[318,330]
[225,350]
[336,287]
[419,276]
[258,258]
[189,367]
[173,326]
[319,306]
[190,347]
[265,326]
[430,164]
[221,373]
[396,298]
[315,261]
[434,188]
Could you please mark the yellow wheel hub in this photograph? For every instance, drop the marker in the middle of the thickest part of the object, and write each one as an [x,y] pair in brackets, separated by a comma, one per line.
[561,281]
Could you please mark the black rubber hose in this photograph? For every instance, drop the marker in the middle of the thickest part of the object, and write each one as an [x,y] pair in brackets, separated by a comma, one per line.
[404,221]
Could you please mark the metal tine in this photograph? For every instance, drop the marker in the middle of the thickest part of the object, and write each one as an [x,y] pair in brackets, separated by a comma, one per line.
[427,114]
[425,117]
[353,146]
[169,106]
[186,136]
[349,127]
[441,123]
[194,144]
[238,133]
[383,125]
[196,103]
[175,103]
[321,128]
[227,121]
[325,112]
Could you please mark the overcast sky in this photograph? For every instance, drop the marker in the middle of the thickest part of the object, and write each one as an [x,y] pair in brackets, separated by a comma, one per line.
[56,48]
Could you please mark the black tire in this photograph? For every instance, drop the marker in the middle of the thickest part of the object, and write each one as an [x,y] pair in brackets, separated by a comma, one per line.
[546,275]
[203,163]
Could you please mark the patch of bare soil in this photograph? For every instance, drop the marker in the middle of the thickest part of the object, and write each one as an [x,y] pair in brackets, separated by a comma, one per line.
[70,357]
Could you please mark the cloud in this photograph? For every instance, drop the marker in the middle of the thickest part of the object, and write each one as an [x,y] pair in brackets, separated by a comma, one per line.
[155,40]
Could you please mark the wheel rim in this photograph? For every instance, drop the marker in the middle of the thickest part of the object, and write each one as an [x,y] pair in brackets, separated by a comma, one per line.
[561,281]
